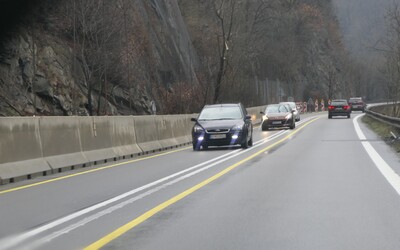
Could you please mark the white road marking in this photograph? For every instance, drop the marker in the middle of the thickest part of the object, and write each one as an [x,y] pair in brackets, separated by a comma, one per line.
[46,239]
[380,163]
[16,240]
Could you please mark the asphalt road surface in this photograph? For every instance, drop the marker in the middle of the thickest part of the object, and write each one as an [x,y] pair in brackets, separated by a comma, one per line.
[328,184]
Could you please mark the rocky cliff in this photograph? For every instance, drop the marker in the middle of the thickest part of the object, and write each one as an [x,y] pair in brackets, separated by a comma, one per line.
[47,66]
[100,57]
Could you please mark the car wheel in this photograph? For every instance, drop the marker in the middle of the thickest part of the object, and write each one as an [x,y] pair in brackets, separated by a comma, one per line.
[264,127]
[195,147]
[329,117]
[251,140]
[245,144]
[348,116]
[293,125]
[205,147]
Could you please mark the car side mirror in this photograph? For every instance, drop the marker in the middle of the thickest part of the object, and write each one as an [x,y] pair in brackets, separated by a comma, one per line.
[293,110]
[193,119]
[262,113]
[248,117]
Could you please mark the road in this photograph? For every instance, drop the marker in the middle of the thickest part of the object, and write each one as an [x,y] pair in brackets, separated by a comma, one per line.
[319,186]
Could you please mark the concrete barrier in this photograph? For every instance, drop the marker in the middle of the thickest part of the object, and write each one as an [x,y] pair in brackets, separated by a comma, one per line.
[146,132]
[165,131]
[21,150]
[61,142]
[182,127]
[95,135]
[38,146]
[124,137]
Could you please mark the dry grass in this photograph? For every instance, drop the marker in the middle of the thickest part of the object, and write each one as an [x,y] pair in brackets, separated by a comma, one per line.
[383,130]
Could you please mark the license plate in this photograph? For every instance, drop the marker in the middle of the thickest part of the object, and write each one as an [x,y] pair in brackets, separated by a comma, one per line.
[219,136]
[277,122]
[338,108]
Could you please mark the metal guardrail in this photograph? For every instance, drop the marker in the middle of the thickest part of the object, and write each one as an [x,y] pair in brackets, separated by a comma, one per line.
[392,121]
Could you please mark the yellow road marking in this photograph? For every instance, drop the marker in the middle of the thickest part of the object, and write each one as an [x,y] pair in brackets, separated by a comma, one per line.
[91,171]
[132,224]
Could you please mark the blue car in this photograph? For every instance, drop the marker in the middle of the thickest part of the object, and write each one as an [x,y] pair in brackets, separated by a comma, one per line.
[221,125]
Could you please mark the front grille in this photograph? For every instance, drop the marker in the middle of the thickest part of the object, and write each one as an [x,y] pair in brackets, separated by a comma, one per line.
[218,131]
[276,118]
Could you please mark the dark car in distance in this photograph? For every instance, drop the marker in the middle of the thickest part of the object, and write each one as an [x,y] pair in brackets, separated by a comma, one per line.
[339,107]
[222,125]
[357,103]
[278,116]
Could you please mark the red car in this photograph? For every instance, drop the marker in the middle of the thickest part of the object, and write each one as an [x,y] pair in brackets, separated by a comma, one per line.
[357,103]
[278,116]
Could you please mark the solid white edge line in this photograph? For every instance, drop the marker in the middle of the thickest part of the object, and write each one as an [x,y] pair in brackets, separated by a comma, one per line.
[391,176]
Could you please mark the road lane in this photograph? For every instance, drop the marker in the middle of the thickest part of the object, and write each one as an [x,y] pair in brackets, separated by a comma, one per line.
[96,187]
[318,191]
[84,191]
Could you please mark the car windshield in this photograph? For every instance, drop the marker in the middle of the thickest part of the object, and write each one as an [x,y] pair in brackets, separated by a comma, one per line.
[277,109]
[334,103]
[292,105]
[355,100]
[221,113]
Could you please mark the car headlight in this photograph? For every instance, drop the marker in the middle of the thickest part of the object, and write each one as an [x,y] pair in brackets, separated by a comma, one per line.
[237,128]
[197,129]
[288,116]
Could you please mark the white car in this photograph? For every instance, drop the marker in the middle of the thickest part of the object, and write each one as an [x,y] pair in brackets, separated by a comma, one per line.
[293,106]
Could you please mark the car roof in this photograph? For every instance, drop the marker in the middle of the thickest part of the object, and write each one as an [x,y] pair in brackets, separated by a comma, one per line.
[276,104]
[223,105]
[289,103]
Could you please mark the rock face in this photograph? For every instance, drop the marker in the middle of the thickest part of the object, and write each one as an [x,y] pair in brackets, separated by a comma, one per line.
[99,57]
[46,67]
[36,77]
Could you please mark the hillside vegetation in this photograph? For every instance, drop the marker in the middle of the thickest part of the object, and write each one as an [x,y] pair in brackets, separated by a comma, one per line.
[99,57]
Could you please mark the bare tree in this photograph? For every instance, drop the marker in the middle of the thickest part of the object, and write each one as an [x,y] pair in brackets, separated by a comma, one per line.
[98,23]
[225,11]
[392,52]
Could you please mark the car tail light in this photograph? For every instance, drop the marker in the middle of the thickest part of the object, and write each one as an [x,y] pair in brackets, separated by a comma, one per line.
[331,107]
[346,107]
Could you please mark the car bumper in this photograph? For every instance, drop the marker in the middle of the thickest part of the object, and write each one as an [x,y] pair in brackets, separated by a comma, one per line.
[206,139]
[357,108]
[277,123]
[339,113]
